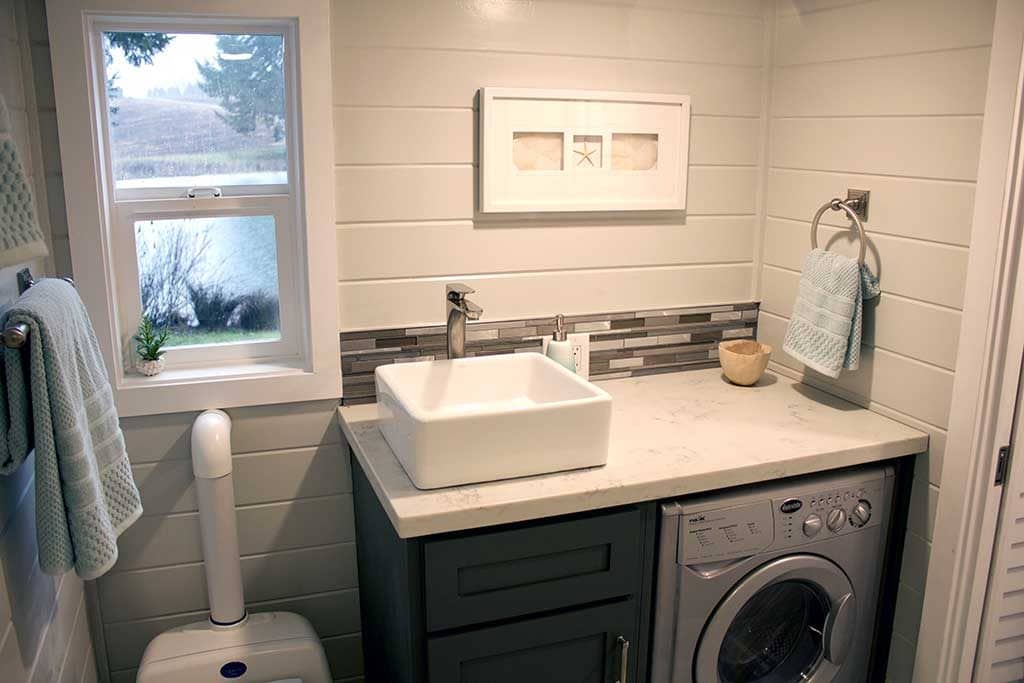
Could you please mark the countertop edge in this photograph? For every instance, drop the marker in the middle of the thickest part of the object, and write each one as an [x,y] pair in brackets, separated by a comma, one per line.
[352,443]
[414,525]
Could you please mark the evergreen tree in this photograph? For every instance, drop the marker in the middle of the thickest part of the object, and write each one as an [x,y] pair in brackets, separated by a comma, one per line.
[138,49]
[247,77]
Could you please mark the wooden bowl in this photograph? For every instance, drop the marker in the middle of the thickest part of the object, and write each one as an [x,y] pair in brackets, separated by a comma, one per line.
[743,360]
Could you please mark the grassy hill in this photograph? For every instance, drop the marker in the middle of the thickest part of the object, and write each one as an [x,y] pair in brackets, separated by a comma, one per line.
[165,138]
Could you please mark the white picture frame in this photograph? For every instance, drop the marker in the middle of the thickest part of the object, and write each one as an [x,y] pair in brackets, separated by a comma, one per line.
[558,150]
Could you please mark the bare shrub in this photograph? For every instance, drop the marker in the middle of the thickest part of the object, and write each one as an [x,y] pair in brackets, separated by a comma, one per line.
[166,267]
[211,305]
[257,311]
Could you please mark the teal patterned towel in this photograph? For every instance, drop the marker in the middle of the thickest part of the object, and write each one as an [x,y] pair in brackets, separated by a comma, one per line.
[825,328]
[61,404]
[21,238]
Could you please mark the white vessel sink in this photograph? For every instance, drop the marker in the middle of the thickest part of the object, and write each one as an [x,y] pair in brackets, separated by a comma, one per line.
[481,419]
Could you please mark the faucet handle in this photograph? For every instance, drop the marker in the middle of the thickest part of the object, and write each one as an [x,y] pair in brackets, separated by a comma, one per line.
[458,289]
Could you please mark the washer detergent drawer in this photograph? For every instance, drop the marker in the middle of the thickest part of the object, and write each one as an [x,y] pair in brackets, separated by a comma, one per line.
[725,533]
[473,579]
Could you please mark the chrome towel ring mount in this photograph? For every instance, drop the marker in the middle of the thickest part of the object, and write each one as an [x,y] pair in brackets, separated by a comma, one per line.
[856,208]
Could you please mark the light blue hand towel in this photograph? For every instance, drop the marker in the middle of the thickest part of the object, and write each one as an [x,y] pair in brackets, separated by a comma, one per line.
[825,329]
[62,405]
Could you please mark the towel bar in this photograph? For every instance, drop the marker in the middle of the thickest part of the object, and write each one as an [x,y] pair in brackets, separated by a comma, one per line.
[856,207]
[15,336]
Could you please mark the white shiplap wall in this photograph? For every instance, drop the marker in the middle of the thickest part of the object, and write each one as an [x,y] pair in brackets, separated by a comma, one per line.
[405,82]
[44,636]
[896,109]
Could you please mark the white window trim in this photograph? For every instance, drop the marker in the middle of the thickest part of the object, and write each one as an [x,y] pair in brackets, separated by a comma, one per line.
[314,372]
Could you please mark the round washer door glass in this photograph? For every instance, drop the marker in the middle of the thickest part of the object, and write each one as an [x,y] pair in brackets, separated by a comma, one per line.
[791,620]
[776,637]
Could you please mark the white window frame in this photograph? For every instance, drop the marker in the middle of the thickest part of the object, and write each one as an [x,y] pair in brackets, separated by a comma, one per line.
[305,363]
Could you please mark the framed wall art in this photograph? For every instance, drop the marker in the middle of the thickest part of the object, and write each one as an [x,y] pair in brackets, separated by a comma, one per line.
[582,150]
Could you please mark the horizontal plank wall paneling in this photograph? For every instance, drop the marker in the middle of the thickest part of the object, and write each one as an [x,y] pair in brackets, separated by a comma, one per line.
[295,526]
[539,246]
[406,78]
[927,271]
[949,83]
[154,540]
[911,135]
[929,210]
[376,304]
[430,192]
[640,33]
[911,146]
[375,76]
[894,323]
[447,136]
[259,477]
[897,27]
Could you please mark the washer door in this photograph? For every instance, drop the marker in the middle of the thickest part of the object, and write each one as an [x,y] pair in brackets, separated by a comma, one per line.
[790,620]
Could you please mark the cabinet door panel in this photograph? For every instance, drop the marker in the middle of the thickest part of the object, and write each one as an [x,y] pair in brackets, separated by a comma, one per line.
[574,647]
[501,574]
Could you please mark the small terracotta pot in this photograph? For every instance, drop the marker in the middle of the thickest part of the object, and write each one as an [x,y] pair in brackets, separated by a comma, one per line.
[149,368]
[743,360]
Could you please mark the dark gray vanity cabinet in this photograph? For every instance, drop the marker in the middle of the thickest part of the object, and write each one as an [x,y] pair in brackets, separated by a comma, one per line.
[565,599]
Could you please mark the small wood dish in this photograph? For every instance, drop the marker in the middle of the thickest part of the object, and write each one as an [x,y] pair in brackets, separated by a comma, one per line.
[743,360]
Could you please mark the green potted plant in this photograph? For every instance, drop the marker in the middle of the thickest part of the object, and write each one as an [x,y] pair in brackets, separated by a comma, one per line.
[149,344]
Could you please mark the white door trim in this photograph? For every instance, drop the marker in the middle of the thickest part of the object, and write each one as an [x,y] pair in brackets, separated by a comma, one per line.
[986,379]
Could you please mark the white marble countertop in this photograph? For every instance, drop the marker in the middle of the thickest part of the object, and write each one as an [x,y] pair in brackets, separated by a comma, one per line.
[671,435]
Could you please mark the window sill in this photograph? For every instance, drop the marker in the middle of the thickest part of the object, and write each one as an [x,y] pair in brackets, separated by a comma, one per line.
[186,389]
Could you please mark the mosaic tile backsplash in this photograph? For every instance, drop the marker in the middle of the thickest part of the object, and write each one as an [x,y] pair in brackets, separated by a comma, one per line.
[621,344]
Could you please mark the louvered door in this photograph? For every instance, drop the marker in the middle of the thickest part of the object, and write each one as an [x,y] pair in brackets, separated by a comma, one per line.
[1001,646]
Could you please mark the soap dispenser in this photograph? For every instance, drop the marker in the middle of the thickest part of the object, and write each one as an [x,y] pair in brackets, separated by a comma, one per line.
[559,348]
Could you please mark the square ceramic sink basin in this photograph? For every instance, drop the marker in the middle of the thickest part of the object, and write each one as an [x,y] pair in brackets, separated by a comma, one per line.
[469,420]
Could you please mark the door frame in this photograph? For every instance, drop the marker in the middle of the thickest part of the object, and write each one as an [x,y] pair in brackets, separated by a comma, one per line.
[987,370]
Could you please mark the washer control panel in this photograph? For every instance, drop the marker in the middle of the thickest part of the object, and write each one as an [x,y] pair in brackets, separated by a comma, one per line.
[804,518]
[743,530]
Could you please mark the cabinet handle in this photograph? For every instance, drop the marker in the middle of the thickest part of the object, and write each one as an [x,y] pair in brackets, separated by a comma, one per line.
[623,658]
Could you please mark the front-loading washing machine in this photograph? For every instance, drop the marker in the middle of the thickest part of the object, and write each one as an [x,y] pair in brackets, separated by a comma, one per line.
[773,583]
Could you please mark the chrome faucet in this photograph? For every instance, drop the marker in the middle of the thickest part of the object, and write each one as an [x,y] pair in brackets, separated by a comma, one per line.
[459,309]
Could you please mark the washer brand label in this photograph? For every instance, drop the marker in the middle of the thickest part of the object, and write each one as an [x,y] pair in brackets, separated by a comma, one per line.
[233,669]
[697,519]
[792,505]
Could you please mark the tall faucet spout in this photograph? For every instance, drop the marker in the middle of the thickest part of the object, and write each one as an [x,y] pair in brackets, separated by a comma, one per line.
[459,309]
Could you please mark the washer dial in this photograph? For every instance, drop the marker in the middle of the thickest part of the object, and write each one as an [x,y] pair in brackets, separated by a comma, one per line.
[836,519]
[812,525]
[861,513]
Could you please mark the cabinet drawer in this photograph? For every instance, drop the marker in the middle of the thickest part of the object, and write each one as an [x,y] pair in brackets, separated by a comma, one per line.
[549,565]
[582,646]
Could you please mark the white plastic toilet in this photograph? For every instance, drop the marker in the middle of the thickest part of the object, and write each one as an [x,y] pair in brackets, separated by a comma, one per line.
[270,647]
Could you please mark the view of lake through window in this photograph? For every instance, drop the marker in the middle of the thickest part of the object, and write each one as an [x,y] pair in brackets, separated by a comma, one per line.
[196,109]
[210,280]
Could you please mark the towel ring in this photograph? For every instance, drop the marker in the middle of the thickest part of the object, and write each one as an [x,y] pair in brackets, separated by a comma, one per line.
[837,204]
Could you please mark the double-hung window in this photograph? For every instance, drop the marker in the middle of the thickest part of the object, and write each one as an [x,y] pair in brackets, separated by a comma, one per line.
[198,121]
[202,188]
